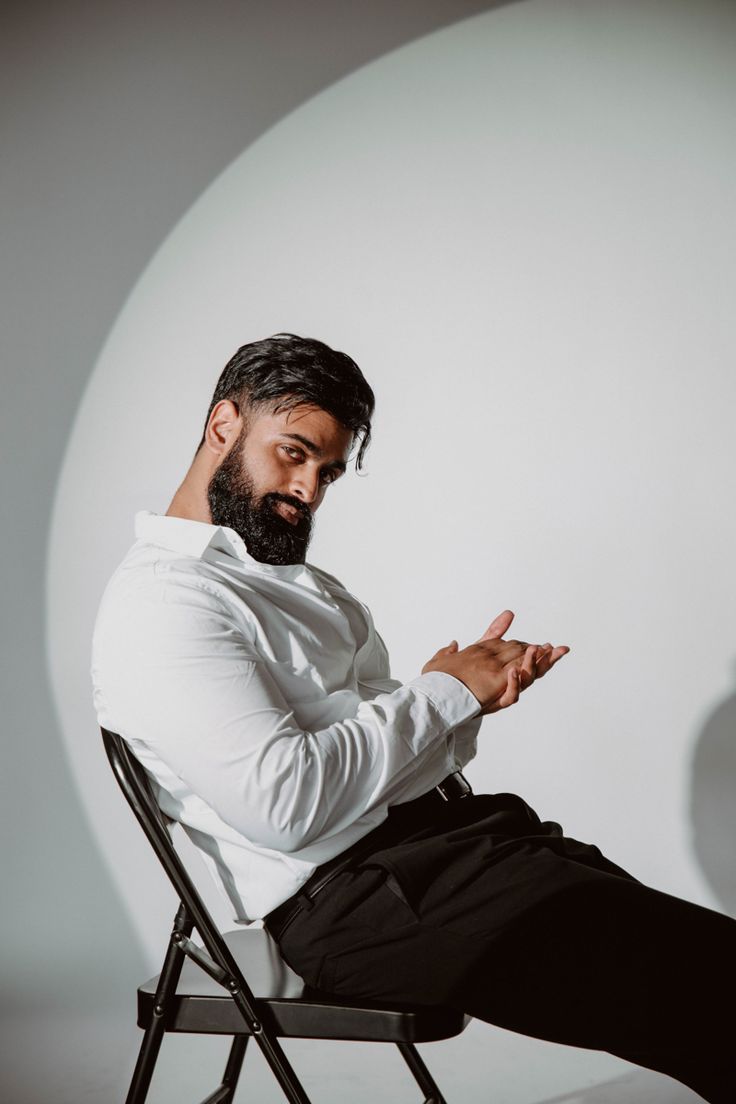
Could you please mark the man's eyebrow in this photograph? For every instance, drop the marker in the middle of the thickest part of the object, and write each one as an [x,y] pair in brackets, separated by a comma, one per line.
[315,450]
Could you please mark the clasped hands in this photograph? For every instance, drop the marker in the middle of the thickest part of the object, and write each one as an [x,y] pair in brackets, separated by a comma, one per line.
[495,670]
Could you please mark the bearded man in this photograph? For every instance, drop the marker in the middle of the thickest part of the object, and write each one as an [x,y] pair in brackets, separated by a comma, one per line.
[326,797]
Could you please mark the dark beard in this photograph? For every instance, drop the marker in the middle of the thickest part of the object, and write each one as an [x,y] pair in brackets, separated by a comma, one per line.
[269,538]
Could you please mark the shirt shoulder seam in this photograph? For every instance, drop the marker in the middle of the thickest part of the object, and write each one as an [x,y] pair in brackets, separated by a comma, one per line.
[193,582]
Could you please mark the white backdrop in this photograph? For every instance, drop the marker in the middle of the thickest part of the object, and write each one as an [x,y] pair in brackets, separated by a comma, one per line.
[521,228]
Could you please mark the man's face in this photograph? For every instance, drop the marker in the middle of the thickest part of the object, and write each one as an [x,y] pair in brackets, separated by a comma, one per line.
[273,479]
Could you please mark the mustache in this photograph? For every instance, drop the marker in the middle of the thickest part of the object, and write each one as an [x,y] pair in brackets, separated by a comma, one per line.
[273,497]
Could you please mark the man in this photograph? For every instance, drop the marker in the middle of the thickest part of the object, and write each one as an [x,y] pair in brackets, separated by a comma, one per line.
[326,797]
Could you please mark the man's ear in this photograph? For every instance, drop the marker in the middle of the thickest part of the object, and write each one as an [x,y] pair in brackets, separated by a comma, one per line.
[223,427]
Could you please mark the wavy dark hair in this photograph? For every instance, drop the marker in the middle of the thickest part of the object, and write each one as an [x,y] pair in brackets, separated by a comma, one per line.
[285,371]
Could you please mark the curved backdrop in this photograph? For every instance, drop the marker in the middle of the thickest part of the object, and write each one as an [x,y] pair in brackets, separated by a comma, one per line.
[521,227]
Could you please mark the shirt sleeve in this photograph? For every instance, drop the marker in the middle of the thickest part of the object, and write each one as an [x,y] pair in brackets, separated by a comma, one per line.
[461,743]
[465,742]
[185,679]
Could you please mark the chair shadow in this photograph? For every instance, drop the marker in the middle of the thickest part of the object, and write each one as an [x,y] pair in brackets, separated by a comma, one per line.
[713,802]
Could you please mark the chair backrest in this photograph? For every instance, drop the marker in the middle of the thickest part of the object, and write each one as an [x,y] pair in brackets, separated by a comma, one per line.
[218,961]
[133,781]
[318,1019]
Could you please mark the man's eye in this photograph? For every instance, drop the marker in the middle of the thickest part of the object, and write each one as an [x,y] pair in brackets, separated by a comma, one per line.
[329,475]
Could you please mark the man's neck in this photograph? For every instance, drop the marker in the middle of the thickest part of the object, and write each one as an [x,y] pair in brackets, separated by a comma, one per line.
[190,500]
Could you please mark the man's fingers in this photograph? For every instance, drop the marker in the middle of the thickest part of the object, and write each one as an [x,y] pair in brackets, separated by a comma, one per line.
[527,672]
[498,626]
[544,651]
[509,650]
[514,687]
[550,657]
[512,691]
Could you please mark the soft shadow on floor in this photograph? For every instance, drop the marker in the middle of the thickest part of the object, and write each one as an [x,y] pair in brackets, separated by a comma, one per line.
[637,1087]
[73,1059]
[65,1058]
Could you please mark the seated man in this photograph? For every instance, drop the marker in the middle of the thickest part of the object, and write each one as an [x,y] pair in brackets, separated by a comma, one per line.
[325,796]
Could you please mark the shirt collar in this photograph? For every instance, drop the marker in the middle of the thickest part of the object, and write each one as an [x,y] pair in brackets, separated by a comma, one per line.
[196,538]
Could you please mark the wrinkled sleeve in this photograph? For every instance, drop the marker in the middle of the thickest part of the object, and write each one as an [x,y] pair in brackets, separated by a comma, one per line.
[193,687]
[460,745]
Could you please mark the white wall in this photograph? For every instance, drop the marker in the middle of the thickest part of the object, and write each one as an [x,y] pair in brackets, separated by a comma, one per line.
[113,118]
[521,227]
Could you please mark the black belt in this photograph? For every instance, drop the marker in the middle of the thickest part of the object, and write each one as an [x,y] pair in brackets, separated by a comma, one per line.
[454,787]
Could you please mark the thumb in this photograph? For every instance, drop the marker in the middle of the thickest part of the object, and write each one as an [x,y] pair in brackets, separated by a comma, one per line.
[498,626]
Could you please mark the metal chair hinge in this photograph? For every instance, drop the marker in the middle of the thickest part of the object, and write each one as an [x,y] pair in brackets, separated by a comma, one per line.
[191,950]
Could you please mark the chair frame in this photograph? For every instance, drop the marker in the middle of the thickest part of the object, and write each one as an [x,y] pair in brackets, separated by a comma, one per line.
[218,962]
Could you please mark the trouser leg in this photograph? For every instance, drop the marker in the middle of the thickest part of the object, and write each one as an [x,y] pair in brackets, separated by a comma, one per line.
[613,965]
[536,933]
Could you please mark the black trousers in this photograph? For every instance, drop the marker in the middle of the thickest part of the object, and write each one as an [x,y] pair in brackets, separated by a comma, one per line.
[479,905]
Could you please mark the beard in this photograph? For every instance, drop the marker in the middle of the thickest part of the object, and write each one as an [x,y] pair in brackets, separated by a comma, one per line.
[269,538]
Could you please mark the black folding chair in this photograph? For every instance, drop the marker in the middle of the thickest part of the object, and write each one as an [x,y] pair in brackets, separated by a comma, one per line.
[210,993]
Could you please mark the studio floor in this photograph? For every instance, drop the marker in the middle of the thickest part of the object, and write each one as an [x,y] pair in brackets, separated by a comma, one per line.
[62,1059]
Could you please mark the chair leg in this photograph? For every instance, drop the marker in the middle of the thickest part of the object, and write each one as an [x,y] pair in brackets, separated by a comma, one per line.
[422,1076]
[147,1055]
[168,981]
[225,1092]
[234,1064]
[273,1052]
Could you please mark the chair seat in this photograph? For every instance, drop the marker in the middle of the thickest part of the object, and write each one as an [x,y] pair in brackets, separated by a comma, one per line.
[288,1006]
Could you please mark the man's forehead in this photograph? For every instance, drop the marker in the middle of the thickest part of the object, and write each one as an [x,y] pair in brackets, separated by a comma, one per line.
[306,421]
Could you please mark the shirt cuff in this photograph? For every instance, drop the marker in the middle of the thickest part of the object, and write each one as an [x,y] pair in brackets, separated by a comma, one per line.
[449,696]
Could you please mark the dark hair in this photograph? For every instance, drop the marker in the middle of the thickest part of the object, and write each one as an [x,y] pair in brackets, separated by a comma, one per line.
[298,370]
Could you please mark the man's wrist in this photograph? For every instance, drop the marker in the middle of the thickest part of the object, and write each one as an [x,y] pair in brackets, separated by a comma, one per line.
[449,696]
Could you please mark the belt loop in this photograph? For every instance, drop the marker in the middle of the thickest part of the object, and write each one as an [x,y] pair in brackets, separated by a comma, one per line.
[454,787]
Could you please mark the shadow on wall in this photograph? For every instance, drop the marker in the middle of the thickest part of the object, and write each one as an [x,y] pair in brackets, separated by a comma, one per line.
[713,801]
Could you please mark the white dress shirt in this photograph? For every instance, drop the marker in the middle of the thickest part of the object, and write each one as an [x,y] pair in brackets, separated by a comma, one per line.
[259,700]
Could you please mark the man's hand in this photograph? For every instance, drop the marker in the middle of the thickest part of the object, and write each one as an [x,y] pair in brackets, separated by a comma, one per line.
[493,669]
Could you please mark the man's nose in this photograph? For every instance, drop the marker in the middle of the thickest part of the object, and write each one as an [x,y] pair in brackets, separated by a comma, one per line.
[305,484]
